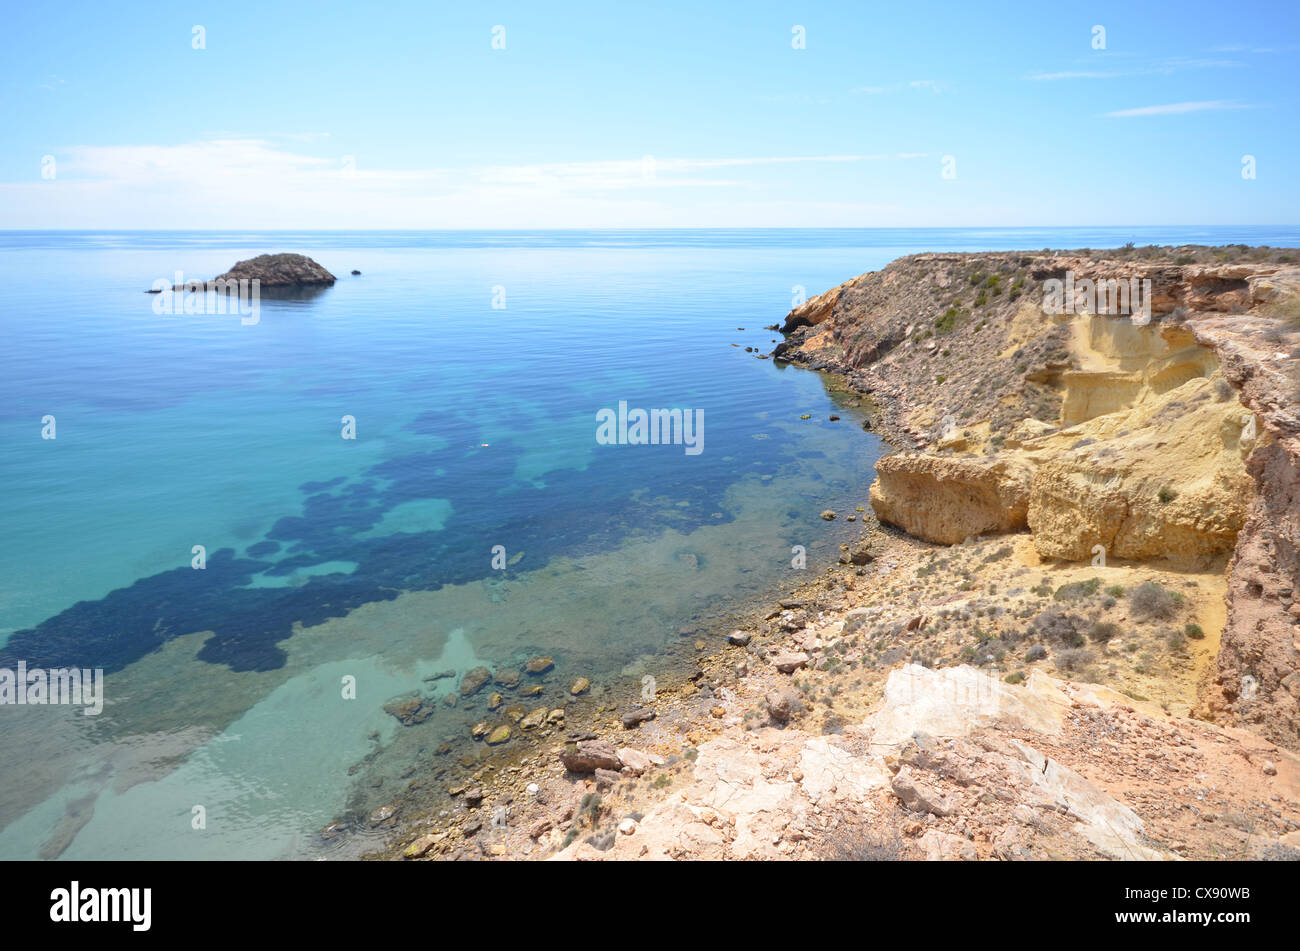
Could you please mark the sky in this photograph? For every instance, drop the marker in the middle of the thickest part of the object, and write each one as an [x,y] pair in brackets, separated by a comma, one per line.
[233,115]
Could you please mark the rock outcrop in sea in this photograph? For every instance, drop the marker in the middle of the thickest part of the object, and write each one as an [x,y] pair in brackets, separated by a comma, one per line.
[276,270]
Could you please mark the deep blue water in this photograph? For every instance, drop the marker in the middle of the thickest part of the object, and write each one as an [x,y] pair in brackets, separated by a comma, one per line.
[372,557]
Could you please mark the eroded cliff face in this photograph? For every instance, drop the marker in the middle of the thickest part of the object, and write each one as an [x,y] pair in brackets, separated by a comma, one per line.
[1169,434]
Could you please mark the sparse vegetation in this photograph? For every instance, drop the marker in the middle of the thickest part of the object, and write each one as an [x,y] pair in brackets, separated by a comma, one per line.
[1152,601]
[1077,590]
[1074,659]
[862,844]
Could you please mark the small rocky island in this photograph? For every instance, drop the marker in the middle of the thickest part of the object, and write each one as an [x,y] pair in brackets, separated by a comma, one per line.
[276,270]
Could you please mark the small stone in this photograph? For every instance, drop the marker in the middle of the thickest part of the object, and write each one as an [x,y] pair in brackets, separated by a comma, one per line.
[919,797]
[507,678]
[539,665]
[473,681]
[499,735]
[383,814]
[627,826]
[605,778]
[556,716]
[579,686]
[332,830]
[634,761]
[479,730]
[495,700]
[740,638]
[421,846]
[534,719]
[449,700]
[718,712]
[637,716]
[829,515]
[539,828]
[1269,768]
[788,663]
[409,710]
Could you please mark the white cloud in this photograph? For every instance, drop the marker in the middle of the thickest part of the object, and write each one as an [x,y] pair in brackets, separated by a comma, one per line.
[1175,109]
[253,183]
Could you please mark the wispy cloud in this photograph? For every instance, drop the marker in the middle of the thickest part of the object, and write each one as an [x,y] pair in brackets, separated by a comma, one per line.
[933,85]
[1079,74]
[208,182]
[1164,67]
[1176,109]
[1243,48]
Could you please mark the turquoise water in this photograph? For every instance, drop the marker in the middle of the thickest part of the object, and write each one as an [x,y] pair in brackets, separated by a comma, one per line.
[371,559]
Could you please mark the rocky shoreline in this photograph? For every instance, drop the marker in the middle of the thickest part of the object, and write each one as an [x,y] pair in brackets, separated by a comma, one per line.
[974,686]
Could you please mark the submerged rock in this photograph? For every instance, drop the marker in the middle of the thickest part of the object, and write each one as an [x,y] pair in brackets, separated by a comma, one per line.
[409,710]
[539,665]
[474,681]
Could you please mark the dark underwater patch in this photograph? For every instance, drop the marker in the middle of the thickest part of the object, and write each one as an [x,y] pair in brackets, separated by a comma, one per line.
[577,513]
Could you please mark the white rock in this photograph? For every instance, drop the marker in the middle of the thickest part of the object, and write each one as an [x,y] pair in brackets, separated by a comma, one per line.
[634,761]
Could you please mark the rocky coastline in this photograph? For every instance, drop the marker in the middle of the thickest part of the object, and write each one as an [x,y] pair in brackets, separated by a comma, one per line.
[971,681]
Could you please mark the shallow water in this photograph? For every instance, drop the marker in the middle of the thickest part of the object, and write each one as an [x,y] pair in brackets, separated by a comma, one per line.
[372,558]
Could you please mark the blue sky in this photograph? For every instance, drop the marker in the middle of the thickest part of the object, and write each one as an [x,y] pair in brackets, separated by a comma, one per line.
[329,115]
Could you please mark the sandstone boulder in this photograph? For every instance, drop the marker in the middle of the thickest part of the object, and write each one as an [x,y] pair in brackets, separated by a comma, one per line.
[948,499]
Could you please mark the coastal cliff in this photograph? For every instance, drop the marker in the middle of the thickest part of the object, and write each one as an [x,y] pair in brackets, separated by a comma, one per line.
[1070,631]
[1168,437]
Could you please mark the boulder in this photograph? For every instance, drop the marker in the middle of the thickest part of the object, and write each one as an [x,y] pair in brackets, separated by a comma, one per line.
[634,761]
[783,704]
[947,500]
[788,663]
[587,756]
[919,797]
